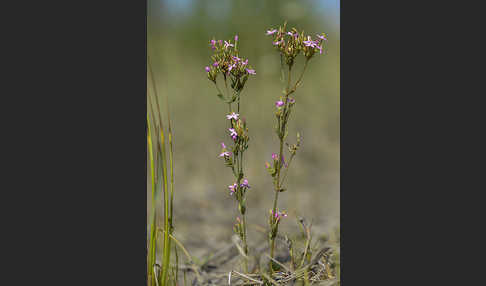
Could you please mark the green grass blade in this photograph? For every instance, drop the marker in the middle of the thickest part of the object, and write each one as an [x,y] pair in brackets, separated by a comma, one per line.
[151,260]
[163,163]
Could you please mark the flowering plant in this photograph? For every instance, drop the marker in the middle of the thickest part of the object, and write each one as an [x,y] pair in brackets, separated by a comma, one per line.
[235,70]
[290,44]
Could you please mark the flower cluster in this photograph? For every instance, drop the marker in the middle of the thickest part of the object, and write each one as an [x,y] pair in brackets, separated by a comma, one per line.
[242,188]
[238,132]
[227,62]
[292,43]
[233,158]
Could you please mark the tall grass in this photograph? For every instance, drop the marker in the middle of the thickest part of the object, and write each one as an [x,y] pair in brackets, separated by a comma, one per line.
[161,183]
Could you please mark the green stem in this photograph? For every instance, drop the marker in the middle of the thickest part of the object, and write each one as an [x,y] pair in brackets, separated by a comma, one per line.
[152,228]
[299,80]
[287,169]
[243,214]
[245,245]
[166,250]
[217,87]
[282,130]
[226,85]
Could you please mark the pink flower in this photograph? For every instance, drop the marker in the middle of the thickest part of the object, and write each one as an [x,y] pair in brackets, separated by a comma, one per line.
[236,38]
[225,154]
[274,156]
[245,184]
[232,188]
[279,103]
[232,116]
[278,43]
[271,32]
[213,43]
[322,37]
[233,133]
[250,71]
[244,63]
[310,42]
[278,215]
[207,69]
[222,145]
[215,64]
[226,45]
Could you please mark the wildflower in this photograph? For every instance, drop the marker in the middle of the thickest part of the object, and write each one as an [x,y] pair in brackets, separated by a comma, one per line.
[207,69]
[232,116]
[244,63]
[233,133]
[290,33]
[322,37]
[291,100]
[310,42]
[225,154]
[250,71]
[278,215]
[271,32]
[215,64]
[222,145]
[226,45]
[278,43]
[232,188]
[245,184]
[231,67]
[236,38]
[274,156]
[236,59]
[320,49]
[213,44]
[279,103]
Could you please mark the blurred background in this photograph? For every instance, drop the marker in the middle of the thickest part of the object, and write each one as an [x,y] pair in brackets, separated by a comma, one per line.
[178,46]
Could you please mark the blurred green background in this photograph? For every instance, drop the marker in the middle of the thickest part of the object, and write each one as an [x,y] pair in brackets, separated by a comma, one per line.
[178,36]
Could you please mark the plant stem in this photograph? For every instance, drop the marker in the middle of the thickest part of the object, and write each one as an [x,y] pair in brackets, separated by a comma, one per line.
[300,78]
[280,164]
[245,245]
[287,169]
[243,213]
[226,85]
